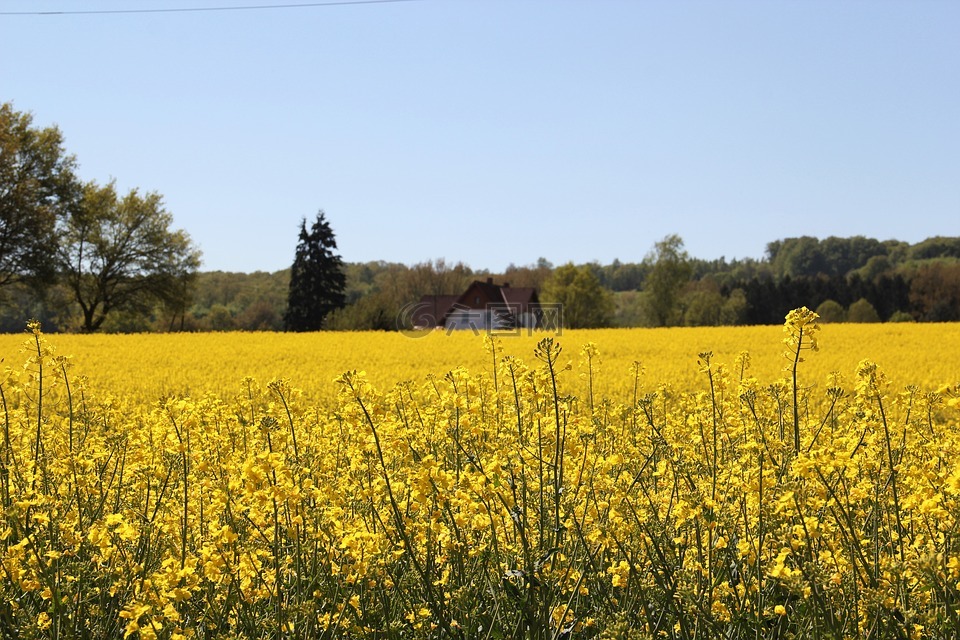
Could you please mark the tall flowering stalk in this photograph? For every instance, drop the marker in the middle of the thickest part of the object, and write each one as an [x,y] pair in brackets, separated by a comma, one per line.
[801,327]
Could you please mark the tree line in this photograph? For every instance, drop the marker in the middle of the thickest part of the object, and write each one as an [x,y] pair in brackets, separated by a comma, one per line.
[853,279]
[674,289]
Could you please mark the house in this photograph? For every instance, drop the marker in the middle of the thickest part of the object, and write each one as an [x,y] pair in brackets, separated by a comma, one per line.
[484,306]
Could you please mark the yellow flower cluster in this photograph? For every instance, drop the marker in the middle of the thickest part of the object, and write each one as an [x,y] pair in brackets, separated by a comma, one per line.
[530,494]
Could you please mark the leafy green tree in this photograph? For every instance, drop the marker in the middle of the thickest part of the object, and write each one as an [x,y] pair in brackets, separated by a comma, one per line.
[629,309]
[897,251]
[831,311]
[901,316]
[875,267]
[734,309]
[796,257]
[702,308]
[621,276]
[260,316]
[809,256]
[843,255]
[701,302]
[37,188]
[585,303]
[220,319]
[119,254]
[317,280]
[936,247]
[862,311]
[373,312]
[670,270]
[704,304]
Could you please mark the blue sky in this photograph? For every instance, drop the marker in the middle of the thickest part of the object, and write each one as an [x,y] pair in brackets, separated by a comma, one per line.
[496,132]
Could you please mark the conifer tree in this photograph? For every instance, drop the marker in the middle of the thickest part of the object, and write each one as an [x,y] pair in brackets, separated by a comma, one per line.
[317,279]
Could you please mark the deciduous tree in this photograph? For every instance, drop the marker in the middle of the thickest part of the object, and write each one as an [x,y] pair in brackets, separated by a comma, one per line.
[734,308]
[832,311]
[862,311]
[935,291]
[532,275]
[37,187]
[120,254]
[670,270]
[585,303]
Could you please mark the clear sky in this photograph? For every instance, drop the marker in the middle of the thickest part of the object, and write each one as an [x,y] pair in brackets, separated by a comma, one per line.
[496,132]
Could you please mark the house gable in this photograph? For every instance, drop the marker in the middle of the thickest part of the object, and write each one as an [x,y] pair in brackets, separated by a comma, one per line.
[431,311]
[482,306]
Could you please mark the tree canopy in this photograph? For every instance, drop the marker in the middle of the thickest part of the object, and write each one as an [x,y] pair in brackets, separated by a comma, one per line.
[37,188]
[584,302]
[317,280]
[670,269]
[120,254]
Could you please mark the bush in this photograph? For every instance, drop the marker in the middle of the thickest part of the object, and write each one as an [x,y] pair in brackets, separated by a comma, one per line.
[862,311]
[831,311]
[901,316]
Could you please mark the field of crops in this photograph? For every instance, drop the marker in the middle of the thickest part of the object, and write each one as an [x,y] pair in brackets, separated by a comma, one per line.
[145,367]
[674,483]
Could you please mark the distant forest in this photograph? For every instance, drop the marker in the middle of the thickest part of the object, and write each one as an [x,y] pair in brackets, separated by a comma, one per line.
[855,279]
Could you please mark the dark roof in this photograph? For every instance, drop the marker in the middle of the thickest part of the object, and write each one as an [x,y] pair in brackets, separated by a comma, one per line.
[432,310]
[520,295]
[496,293]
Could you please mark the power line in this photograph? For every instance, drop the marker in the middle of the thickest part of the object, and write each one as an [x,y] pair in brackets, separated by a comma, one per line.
[297,5]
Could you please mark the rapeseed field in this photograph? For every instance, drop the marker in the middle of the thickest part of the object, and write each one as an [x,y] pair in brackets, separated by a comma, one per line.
[147,366]
[765,482]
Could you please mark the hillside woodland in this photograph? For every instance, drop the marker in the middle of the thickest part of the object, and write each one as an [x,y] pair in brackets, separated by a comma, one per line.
[854,279]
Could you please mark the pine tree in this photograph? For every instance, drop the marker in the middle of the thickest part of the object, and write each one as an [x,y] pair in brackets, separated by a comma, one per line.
[317,280]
